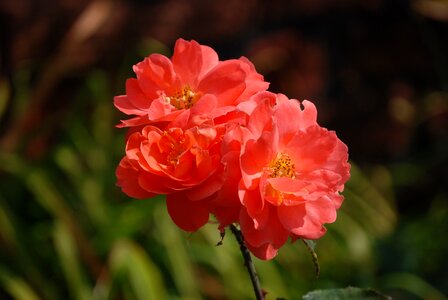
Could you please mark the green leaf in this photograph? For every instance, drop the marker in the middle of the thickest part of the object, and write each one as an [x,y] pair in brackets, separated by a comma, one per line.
[349,293]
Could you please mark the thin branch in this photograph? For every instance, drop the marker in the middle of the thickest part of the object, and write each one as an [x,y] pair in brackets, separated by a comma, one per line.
[259,294]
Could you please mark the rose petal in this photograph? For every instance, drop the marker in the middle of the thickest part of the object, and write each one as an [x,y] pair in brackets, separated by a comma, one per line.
[156,73]
[188,215]
[225,81]
[127,180]
[273,233]
[254,81]
[192,61]
[306,220]
[287,126]
[256,157]
[266,251]
[311,149]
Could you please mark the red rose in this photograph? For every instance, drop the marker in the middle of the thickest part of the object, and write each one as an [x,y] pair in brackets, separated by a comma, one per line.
[207,135]
[183,164]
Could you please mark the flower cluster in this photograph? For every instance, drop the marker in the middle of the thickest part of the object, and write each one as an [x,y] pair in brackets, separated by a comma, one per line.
[207,134]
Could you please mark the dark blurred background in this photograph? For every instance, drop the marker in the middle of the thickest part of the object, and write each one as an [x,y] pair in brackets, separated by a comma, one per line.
[377,71]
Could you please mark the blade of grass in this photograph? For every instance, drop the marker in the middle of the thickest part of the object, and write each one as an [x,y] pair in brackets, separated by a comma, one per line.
[17,287]
[364,203]
[412,284]
[49,197]
[225,259]
[67,251]
[88,188]
[18,253]
[179,261]
[143,275]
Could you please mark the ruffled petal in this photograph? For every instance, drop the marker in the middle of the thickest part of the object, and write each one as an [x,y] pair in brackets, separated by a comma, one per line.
[311,149]
[306,220]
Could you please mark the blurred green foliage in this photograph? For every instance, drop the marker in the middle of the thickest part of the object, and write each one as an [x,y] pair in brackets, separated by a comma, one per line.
[67,232]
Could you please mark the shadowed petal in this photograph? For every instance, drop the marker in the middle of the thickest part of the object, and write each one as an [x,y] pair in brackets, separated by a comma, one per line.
[273,233]
[266,251]
[188,215]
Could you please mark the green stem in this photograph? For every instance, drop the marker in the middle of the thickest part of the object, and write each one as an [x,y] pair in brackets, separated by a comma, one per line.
[259,294]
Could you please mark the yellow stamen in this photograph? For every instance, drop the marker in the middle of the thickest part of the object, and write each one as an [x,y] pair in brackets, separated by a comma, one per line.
[176,149]
[183,99]
[282,166]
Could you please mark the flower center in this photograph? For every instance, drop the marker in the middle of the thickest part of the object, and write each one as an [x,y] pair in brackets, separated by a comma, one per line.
[176,149]
[173,156]
[183,99]
[282,166]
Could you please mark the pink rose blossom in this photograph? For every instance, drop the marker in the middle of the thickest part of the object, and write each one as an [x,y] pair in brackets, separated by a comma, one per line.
[292,173]
[193,82]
